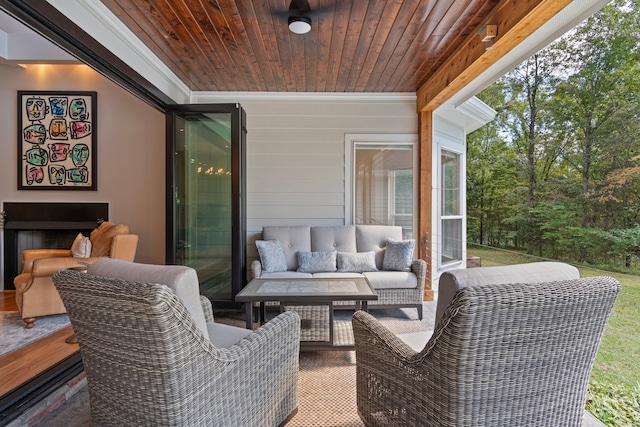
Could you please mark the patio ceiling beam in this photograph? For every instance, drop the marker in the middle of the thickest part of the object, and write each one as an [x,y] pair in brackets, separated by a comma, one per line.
[516,20]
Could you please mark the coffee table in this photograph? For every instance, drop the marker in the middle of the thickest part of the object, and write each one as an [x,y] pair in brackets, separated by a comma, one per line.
[313,300]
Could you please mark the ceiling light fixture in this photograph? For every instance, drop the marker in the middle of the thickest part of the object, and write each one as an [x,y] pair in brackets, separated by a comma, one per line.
[299,24]
[488,33]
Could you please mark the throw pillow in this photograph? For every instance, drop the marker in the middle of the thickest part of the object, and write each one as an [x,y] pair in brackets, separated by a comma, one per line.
[398,255]
[81,247]
[271,256]
[317,262]
[101,238]
[360,262]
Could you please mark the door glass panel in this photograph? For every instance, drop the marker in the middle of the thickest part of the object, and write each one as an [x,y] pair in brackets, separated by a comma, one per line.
[203,199]
[383,185]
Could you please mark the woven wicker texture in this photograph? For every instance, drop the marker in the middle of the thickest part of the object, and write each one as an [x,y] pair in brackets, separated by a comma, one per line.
[147,363]
[327,383]
[504,355]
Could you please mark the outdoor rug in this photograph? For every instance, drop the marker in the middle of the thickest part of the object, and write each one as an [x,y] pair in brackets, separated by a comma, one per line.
[14,335]
[327,384]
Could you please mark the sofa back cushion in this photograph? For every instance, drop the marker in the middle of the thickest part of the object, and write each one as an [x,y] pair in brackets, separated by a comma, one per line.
[341,238]
[292,239]
[182,280]
[374,238]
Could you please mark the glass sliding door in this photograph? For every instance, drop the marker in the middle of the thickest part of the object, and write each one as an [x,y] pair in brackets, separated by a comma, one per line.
[205,201]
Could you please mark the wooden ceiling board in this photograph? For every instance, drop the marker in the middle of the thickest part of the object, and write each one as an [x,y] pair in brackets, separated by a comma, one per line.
[354,46]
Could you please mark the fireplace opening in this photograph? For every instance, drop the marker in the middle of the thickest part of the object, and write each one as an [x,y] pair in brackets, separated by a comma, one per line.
[44,226]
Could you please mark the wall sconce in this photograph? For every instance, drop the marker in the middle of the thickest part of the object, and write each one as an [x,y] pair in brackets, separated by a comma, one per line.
[487,34]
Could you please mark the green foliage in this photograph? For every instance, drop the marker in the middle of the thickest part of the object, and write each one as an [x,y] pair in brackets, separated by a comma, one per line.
[614,404]
[557,173]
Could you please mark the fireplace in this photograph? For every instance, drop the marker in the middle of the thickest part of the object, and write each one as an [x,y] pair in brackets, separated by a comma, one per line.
[44,226]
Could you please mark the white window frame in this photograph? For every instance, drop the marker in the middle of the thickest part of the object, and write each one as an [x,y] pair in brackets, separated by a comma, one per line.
[443,144]
[350,141]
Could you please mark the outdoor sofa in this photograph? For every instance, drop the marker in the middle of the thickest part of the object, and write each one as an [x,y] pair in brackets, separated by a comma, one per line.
[377,252]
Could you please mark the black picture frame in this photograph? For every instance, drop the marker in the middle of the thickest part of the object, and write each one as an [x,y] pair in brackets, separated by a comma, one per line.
[57,140]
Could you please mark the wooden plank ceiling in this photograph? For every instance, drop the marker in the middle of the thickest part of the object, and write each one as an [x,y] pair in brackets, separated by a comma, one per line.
[353,46]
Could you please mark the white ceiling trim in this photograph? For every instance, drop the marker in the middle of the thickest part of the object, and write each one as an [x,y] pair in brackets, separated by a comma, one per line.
[204,97]
[101,24]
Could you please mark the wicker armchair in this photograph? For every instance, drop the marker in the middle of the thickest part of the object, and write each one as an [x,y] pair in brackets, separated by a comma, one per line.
[502,355]
[148,363]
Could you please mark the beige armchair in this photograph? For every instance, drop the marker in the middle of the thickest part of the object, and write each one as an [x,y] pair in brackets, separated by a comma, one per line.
[36,294]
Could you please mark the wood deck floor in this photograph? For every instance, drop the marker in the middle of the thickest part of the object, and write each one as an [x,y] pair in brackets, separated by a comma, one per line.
[25,363]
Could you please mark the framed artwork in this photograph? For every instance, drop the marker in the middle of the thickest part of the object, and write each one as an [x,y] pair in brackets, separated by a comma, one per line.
[57,140]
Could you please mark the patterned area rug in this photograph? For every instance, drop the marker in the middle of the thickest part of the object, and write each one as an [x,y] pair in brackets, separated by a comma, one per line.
[14,335]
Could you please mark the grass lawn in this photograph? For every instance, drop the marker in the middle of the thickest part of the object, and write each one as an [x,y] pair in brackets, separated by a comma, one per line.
[617,365]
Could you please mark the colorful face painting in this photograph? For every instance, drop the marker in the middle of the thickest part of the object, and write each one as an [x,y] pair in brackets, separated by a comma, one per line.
[37,157]
[79,175]
[56,141]
[78,109]
[36,109]
[34,174]
[80,129]
[58,106]
[79,154]
[57,175]
[58,151]
[35,134]
[58,129]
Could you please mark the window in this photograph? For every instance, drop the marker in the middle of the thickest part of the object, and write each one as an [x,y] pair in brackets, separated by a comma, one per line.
[383,182]
[451,213]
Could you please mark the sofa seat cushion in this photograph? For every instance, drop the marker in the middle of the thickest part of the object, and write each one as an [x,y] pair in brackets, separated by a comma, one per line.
[286,275]
[224,336]
[391,279]
[336,275]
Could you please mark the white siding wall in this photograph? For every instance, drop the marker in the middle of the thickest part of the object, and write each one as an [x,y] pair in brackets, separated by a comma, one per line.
[296,158]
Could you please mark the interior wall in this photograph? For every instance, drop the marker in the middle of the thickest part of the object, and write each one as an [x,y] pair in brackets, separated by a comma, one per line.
[130,150]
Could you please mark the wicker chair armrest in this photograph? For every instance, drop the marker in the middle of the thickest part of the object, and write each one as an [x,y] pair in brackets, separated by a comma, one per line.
[207,308]
[256,269]
[419,268]
[371,337]
[256,376]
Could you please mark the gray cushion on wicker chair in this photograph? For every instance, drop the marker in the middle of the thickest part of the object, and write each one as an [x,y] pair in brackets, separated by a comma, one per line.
[452,281]
[147,362]
[502,355]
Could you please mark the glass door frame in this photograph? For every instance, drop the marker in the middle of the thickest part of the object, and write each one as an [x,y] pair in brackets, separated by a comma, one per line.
[238,190]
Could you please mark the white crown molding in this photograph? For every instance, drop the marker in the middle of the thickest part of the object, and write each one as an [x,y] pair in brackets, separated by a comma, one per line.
[101,24]
[204,97]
